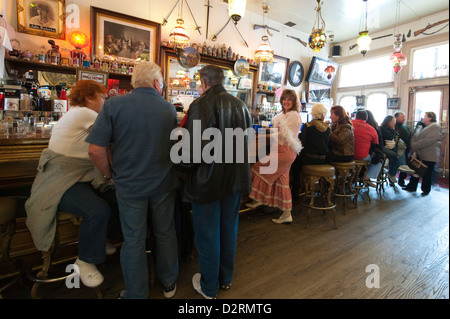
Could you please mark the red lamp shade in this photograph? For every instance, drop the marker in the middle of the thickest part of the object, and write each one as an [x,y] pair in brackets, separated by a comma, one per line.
[78,39]
[398,60]
[330,70]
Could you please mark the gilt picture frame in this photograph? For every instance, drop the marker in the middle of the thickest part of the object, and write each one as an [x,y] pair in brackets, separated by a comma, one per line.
[45,18]
[125,37]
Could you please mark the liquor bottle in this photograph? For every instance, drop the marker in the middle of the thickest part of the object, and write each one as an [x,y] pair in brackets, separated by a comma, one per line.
[58,104]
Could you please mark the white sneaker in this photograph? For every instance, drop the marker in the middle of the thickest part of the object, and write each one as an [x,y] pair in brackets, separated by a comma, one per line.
[254,204]
[89,274]
[110,249]
[196,283]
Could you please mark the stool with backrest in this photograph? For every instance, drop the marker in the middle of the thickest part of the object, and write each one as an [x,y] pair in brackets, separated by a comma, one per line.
[324,175]
[8,210]
[42,276]
[361,168]
[345,176]
[382,177]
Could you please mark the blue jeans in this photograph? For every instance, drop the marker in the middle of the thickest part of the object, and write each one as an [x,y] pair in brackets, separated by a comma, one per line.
[394,160]
[82,200]
[133,258]
[215,227]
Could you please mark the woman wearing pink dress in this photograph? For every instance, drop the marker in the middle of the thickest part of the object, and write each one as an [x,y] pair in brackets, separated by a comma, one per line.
[272,189]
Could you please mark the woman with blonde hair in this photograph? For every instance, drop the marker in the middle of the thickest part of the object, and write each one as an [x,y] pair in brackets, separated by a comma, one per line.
[273,189]
[315,136]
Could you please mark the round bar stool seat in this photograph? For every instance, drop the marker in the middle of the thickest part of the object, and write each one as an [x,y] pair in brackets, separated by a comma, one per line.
[360,181]
[345,175]
[8,210]
[324,174]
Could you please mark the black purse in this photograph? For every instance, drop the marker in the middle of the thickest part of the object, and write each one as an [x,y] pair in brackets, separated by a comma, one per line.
[415,163]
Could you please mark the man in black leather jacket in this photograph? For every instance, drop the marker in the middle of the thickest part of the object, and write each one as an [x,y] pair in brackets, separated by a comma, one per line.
[215,186]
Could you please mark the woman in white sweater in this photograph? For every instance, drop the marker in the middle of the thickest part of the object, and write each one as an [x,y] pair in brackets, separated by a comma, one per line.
[67,181]
[426,143]
[272,189]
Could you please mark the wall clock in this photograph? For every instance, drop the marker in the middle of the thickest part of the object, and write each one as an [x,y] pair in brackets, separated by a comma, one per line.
[296,73]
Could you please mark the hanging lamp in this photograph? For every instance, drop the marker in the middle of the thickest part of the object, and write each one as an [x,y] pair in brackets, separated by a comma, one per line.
[318,38]
[398,59]
[364,37]
[179,38]
[330,71]
[264,53]
[236,9]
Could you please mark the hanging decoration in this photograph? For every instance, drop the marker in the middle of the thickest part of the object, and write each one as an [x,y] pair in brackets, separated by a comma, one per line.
[364,38]
[264,53]
[398,59]
[318,38]
[179,38]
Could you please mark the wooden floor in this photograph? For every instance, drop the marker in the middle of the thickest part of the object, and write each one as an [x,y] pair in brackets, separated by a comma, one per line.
[405,235]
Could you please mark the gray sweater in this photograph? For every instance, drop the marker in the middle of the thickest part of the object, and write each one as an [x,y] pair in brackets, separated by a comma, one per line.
[426,142]
[56,173]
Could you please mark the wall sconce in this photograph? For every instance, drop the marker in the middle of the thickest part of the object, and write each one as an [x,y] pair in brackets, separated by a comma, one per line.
[330,70]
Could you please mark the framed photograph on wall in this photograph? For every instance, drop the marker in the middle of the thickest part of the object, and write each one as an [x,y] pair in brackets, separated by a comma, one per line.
[275,71]
[46,18]
[96,75]
[123,36]
[393,103]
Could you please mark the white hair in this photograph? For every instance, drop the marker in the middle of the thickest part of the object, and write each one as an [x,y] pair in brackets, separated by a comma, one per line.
[145,73]
[319,111]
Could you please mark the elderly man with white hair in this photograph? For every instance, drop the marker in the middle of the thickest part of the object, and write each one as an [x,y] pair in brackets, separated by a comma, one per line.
[138,128]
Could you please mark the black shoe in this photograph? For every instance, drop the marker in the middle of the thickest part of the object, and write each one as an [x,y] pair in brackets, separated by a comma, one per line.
[401,183]
[409,189]
[225,286]
[425,193]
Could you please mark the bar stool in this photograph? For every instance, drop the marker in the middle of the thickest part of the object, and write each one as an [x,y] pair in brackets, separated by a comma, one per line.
[382,177]
[42,277]
[361,168]
[345,176]
[8,209]
[324,174]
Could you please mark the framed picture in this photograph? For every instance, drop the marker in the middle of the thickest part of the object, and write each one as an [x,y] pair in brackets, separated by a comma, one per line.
[46,18]
[96,75]
[393,103]
[295,73]
[126,37]
[360,100]
[275,71]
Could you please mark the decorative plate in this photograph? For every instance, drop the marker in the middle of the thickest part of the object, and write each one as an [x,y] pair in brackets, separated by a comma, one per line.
[189,57]
[241,67]
[296,73]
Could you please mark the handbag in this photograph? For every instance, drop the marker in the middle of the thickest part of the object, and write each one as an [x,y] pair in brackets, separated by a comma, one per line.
[415,163]
[401,147]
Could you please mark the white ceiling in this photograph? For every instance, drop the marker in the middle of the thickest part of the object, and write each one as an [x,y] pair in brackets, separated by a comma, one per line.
[343,17]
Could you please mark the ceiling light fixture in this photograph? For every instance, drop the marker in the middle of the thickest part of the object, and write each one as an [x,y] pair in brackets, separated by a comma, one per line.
[264,53]
[236,9]
[398,59]
[318,38]
[364,38]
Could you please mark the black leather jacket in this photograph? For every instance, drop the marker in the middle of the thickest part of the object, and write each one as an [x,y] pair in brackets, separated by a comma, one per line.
[204,182]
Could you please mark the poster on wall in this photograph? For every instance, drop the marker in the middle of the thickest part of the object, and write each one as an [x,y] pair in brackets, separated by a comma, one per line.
[45,18]
[125,37]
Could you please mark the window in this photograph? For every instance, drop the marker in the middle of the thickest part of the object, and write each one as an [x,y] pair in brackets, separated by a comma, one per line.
[428,101]
[366,72]
[377,104]
[348,103]
[430,62]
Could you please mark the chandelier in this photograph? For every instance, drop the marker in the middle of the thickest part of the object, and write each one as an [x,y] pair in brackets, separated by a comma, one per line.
[398,59]
[264,53]
[318,38]
[364,38]
[178,37]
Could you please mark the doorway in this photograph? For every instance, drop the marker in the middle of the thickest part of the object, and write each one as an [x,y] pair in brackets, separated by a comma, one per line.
[432,99]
